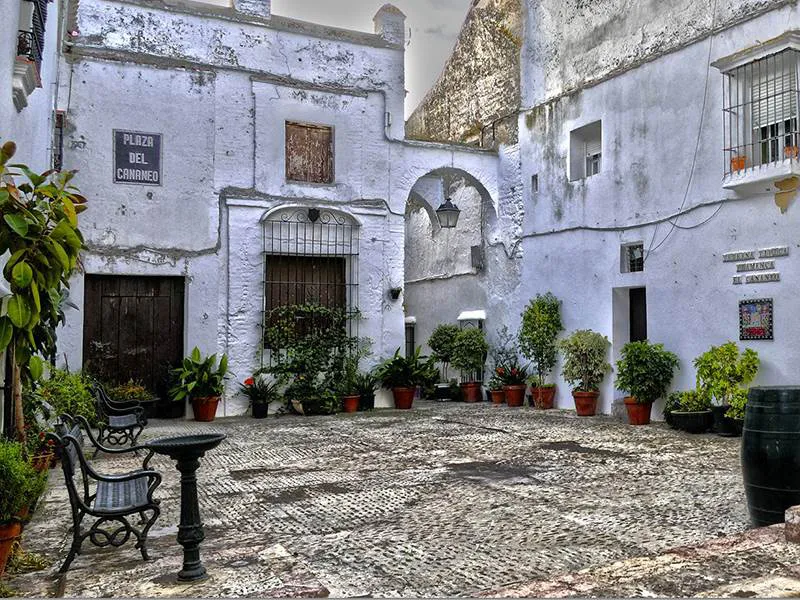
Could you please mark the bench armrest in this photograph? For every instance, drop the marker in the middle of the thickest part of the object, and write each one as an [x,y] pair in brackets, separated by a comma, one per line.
[116,450]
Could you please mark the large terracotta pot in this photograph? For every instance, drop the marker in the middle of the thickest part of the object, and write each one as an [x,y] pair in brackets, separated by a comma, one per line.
[515,394]
[585,403]
[498,396]
[638,412]
[543,397]
[403,397]
[350,403]
[9,532]
[205,409]
[472,391]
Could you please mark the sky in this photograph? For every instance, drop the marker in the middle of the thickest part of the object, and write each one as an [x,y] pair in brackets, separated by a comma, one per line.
[434,26]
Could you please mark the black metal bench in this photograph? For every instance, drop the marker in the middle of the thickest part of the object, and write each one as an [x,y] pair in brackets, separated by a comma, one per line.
[108,499]
[120,424]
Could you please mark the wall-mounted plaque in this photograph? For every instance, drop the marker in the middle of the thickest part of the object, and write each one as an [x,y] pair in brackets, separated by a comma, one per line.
[755,319]
[137,157]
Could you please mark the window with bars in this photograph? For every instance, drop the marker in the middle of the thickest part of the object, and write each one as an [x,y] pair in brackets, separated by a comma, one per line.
[309,153]
[586,151]
[760,108]
[632,258]
[30,38]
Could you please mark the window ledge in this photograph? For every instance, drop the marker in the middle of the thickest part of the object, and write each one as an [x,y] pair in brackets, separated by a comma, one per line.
[753,178]
[24,81]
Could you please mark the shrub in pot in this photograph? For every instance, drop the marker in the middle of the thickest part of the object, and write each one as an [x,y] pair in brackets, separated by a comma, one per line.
[541,324]
[403,374]
[645,372]
[514,379]
[201,380]
[733,421]
[585,366]
[469,355]
[347,384]
[694,412]
[721,373]
[441,345]
[261,392]
[495,385]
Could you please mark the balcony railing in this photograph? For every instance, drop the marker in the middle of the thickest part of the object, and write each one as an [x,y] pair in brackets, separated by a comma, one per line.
[29,46]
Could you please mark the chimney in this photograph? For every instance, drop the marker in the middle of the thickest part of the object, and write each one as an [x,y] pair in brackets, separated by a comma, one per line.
[257,8]
[390,24]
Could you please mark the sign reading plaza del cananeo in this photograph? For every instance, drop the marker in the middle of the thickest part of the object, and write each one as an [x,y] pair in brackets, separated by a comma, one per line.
[137,157]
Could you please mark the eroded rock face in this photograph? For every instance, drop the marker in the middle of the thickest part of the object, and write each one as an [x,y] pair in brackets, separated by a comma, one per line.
[477,95]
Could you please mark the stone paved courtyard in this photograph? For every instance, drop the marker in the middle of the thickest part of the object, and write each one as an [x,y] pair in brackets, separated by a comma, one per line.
[443,500]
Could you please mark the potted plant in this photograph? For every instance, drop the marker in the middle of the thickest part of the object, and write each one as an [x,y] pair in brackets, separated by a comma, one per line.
[201,380]
[495,385]
[469,354]
[721,372]
[261,392]
[21,486]
[402,375]
[585,366]
[735,414]
[441,345]
[694,412]
[347,386]
[515,379]
[644,372]
[738,163]
[671,404]
[366,384]
[541,324]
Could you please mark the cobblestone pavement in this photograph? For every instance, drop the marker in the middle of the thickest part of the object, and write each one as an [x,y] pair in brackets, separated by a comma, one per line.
[446,499]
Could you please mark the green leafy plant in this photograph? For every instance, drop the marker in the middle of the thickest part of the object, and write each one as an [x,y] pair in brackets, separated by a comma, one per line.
[694,401]
[671,404]
[645,370]
[39,229]
[469,351]
[738,404]
[260,390]
[200,377]
[69,393]
[495,382]
[441,344]
[401,371]
[21,483]
[541,324]
[132,391]
[722,371]
[512,373]
[585,362]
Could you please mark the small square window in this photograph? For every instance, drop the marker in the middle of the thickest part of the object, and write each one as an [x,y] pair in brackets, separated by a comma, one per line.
[535,183]
[585,151]
[632,258]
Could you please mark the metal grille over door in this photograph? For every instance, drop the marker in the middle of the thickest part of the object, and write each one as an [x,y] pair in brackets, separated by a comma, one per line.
[311,258]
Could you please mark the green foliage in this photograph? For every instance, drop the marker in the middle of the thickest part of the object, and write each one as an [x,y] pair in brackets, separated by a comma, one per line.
[310,397]
[585,362]
[260,390]
[541,324]
[21,483]
[671,404]
[367,383]
[738,402]
[39,230]
[694,401]
[129,392]
[442,340]
[721,371]
[495,381]
[469,350]
[645,370]
[401,371]
[68,393]
[512,373]
[199,377]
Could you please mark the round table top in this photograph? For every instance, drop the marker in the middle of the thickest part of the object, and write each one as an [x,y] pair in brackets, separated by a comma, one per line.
[186,444]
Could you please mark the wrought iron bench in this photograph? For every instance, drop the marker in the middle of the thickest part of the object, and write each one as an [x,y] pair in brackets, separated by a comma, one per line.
[111,500]
[120,423]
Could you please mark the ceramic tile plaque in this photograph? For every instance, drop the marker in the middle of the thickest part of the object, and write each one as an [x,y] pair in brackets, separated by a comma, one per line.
[755,319]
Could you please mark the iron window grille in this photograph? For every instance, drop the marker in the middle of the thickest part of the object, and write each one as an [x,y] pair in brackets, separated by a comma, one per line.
[632,258]
[30,42]
[760,109]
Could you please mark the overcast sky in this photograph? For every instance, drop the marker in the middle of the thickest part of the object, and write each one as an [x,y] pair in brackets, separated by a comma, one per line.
[434,27]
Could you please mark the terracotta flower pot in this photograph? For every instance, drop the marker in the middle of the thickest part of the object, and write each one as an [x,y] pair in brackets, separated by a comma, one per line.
[638,412]
[498,396]
[543,397]
[585,403]
[791,151]
[515,394]
[738,163]
[350,403]
[9,533]
[472,391]
[205,409]
[403,397]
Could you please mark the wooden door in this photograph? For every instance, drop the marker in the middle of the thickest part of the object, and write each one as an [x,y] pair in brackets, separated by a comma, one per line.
[638,314]
[133,329]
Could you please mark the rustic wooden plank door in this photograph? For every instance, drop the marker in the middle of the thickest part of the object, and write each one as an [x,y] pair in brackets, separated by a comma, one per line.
[133,328]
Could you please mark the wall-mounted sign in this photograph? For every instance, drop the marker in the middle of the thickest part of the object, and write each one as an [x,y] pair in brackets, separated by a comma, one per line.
[737,256]
[773,252]
[137,157]
[755,319]
[765,265]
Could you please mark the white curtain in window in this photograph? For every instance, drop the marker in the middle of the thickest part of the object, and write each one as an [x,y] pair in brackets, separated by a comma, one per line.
[775,92]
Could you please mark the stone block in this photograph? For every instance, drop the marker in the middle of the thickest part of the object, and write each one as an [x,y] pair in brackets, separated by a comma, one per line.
[792,529]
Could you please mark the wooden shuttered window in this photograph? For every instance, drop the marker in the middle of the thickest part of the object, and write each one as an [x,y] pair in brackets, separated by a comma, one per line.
[309,153]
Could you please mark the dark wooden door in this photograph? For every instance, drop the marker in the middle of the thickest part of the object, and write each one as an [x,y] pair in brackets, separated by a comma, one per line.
[133,328]
[638,314]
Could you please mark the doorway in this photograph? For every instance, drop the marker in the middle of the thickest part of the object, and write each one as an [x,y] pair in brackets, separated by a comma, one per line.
[637,318]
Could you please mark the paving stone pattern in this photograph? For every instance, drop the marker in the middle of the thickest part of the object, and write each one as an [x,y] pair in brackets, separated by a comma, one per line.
[446,499]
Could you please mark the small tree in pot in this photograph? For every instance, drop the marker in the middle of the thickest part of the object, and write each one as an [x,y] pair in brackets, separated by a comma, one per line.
[441,343]
[585,366]
[541,324]
[469,355]
[202,381]
[645,372]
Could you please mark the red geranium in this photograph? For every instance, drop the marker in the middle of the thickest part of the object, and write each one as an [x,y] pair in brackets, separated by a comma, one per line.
[249,381]
[500,371]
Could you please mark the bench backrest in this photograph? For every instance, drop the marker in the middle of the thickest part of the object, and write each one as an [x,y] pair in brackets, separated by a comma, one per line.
[69,441]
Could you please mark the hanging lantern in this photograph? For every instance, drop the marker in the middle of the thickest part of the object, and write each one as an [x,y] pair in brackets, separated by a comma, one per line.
[448,214]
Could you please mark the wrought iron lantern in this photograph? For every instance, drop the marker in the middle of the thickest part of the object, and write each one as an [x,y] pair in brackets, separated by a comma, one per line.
[448,214]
